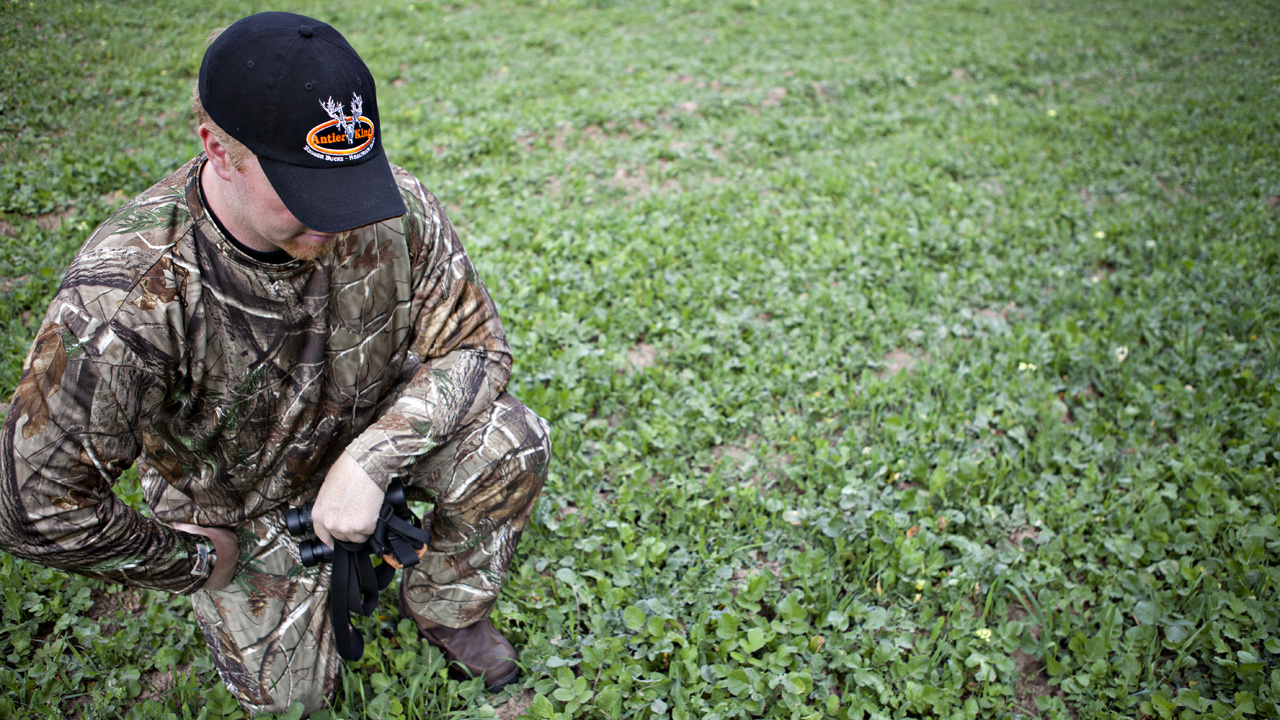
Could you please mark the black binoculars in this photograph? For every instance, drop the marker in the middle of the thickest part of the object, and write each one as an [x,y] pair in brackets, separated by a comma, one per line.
[311,550]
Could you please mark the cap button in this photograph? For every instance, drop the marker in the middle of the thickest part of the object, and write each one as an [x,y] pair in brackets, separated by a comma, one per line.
[305,31]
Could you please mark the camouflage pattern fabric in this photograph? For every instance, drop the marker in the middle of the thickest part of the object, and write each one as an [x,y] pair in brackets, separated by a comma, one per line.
[269,630]
[235,384]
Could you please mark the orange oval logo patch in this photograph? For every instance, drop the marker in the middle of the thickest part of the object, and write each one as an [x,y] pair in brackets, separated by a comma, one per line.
[332,139]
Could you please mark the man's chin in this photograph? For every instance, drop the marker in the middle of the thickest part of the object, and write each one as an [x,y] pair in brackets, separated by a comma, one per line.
[311,251]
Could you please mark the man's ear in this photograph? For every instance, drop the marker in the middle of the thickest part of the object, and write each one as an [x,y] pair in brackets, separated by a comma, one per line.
[219,159]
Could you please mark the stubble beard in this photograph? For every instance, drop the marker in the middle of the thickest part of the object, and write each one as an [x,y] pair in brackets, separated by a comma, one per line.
[304,251]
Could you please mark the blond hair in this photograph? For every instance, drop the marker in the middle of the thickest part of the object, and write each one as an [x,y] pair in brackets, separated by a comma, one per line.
[236,150]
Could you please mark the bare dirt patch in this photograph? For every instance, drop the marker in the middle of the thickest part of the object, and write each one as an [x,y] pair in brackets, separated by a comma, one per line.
[775,97]
[106,604]
[516,706]
[157,683]
[758,562]
[642,356]
[7,284]
[1273,202]
[1174,193]
[733,452]
[741,455]
[53,221]
[1025,532]
[1088,393]
[1001,313]
[48,221]
[72,706]
[897,361]
[1033,681]
[114,198]
[634,182]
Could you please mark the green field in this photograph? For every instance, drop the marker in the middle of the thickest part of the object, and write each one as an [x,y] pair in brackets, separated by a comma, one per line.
[904,359]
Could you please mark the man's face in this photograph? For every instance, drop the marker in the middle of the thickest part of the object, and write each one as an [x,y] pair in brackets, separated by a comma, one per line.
[267,224]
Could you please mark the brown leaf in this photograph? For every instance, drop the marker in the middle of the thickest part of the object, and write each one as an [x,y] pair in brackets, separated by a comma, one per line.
[41,378]
[374,254]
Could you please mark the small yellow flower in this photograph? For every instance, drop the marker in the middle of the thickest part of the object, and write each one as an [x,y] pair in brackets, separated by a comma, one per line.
[920,584]
[1052,112]
[1100,234]
[1026,367]
[984,634]
[1122,354]
[992,99]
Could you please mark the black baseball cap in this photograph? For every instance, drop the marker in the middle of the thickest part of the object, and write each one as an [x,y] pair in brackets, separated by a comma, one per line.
[299,97]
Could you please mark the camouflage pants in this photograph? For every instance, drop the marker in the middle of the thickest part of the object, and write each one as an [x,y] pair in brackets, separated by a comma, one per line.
[269,631]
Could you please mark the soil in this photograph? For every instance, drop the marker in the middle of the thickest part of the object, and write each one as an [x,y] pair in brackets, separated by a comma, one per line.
[516,706]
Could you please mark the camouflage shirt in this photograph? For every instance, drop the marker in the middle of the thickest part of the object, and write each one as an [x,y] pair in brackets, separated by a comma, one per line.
[233,383]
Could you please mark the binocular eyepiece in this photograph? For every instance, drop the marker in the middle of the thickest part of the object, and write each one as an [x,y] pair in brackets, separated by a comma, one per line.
[310,549]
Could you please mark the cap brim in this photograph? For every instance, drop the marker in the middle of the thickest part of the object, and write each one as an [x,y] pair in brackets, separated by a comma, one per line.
[335,199]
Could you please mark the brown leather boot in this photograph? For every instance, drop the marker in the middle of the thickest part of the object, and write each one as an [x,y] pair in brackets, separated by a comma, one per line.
[479,649]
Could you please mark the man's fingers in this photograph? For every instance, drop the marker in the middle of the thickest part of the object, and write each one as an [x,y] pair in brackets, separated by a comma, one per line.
[321,530]
[337,530]
[346,508]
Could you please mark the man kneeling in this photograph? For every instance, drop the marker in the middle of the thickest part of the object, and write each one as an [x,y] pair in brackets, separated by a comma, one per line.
[286,319]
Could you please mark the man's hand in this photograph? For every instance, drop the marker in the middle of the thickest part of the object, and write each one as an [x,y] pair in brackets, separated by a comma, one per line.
[348,504]
[227,547]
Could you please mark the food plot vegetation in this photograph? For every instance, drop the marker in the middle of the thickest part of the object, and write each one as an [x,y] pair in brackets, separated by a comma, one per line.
[903,359]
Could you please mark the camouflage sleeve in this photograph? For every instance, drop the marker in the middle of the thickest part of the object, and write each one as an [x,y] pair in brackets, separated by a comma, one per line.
[87,387]
[457,335]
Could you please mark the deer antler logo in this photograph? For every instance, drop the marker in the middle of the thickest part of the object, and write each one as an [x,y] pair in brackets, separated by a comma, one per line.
[348,124]
[325,141]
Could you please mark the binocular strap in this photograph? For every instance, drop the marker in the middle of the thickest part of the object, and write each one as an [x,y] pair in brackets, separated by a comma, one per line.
[355,582]
[354,588]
